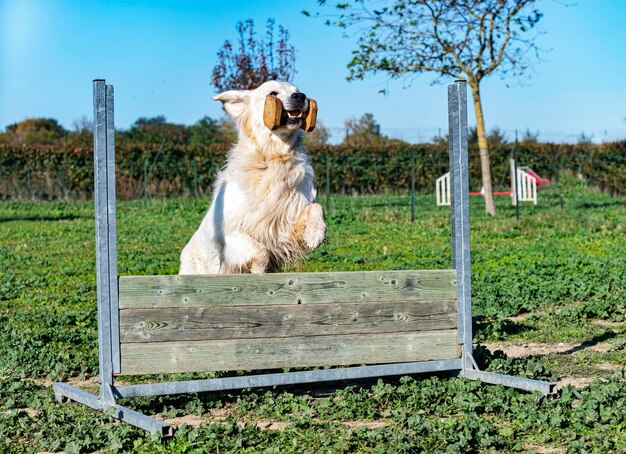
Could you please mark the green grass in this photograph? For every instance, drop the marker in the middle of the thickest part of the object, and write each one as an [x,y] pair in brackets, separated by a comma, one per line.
[561,268]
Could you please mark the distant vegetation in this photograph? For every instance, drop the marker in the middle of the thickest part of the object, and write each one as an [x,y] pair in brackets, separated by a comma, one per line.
[47,131]
[161,167]
[39,159]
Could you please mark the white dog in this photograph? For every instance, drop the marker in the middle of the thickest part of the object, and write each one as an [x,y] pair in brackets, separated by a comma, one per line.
[262,214]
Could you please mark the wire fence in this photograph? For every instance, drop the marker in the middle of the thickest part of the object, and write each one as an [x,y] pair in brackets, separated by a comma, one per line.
[160,171]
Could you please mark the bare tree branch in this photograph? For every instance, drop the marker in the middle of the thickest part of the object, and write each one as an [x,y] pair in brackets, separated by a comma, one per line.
[255,61]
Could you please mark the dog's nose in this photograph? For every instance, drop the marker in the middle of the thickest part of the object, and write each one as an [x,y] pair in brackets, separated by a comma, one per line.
[298,97]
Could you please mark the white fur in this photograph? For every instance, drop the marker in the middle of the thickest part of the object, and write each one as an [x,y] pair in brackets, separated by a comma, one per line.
[262,214]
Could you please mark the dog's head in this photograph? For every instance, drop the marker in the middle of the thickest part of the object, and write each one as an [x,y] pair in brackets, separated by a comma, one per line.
[247,107]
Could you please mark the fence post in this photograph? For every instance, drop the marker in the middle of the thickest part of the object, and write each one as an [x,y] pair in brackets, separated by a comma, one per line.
[327,181]
[29,182]
[413,186]
[514,182]
[106,254]
[145,181]
[195,178]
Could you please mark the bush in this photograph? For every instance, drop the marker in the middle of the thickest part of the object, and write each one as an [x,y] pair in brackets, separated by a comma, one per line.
[66,171]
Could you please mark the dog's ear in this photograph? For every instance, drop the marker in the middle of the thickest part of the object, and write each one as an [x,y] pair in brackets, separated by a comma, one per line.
[235,101]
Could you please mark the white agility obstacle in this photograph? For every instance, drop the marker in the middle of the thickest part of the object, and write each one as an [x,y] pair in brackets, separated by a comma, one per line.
[523,187]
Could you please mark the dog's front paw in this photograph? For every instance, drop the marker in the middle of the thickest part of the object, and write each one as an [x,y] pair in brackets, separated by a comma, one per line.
[315,230]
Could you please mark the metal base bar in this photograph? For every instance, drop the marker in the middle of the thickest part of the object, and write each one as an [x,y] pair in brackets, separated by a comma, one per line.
[62,390]
[286,378]
[153,425]
[525,384]
[142,421]
[133,417]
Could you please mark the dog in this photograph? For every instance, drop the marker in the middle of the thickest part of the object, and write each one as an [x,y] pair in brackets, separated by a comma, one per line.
[262,214]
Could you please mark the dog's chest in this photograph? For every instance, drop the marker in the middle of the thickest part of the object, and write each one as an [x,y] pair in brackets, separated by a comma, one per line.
[282,181]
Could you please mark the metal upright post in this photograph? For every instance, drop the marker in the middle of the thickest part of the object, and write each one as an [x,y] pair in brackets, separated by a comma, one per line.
[457,101]
[106,273]
[103,238]
[112,229]
[459,182]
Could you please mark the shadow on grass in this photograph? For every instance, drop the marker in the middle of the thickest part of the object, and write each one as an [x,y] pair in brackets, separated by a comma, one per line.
[46,218]
[607,335]
[488,328]
[227,398]
[376,204]
[600,204]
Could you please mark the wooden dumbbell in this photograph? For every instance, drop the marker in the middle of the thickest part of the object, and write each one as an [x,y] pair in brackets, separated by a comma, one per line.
[275,115]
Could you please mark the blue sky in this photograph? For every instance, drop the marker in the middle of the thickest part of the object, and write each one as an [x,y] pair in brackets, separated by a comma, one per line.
[159,55]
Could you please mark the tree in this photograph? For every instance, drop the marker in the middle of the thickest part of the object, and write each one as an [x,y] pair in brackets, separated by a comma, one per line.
[496,137]
[468,39]
[440,140]
[205,131]
[83,125]
[530,137]
[35,131]
[228,130]
[584,138]
[254,61]
[363,131]
[82,132]
[156,130]
[472,136]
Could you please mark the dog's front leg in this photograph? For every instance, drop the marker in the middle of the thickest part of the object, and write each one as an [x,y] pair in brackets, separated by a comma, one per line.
[311,228]
[243,254]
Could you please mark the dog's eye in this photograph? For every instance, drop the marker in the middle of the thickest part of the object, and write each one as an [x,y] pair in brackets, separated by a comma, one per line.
[274,93]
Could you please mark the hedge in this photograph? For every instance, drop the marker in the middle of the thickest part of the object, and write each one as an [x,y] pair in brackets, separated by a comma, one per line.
[66,172]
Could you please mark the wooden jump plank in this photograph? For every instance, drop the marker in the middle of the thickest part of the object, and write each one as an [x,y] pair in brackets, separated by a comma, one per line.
[275,353]
[181,324]
[285,288]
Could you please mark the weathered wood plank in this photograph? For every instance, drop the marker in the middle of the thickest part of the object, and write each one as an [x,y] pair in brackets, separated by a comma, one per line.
[267,353]
[285,288]
[191,324]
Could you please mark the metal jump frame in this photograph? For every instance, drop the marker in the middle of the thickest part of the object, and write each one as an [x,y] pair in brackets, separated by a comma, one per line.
[108,306]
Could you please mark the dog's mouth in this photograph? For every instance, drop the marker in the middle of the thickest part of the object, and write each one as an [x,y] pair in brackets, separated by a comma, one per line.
[294,119]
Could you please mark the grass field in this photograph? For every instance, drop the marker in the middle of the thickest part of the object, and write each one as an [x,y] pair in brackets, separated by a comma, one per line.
[549,291]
